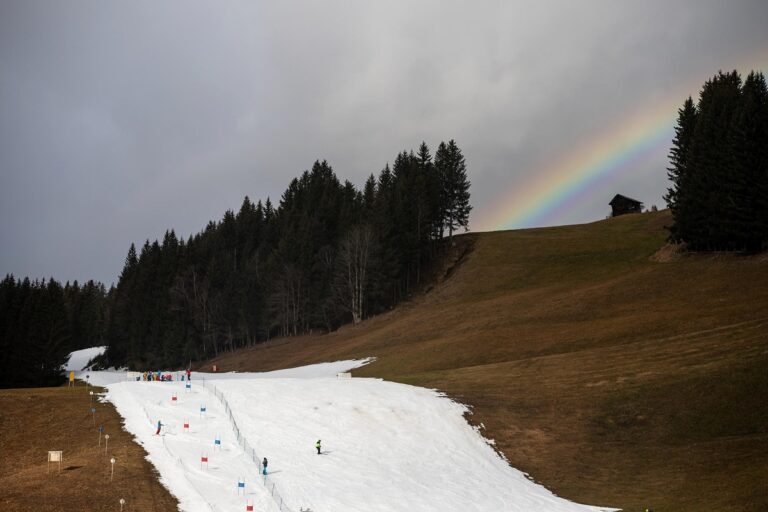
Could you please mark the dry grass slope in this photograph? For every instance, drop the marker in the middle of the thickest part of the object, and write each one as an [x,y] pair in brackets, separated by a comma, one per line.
[610,376]
[33,421]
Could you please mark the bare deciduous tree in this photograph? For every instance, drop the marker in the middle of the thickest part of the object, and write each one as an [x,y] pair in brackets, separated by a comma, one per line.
[190,293]
[354,264]
[288,300]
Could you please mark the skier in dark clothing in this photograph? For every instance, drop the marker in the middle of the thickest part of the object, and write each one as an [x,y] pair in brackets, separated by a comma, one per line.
[189,374]
[264,466]
[317,445]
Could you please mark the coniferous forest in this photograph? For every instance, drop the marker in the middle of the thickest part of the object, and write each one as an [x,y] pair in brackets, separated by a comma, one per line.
[41,322]
[326,255]
[719,166]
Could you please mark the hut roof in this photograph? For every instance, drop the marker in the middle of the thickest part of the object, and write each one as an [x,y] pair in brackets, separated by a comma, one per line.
[619,197]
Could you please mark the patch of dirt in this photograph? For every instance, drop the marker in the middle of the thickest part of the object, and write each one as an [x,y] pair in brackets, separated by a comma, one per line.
[669,252]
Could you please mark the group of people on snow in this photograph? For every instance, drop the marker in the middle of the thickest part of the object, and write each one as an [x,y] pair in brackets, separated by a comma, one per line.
[158,376]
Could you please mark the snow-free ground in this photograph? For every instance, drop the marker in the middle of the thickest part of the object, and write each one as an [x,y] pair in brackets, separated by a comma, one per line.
[385,446]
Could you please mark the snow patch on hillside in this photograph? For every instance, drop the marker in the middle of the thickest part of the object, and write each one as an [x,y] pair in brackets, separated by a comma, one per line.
[80,358]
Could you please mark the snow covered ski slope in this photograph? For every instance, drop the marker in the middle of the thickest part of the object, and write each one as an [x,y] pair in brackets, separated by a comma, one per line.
[385,446]
[80,358]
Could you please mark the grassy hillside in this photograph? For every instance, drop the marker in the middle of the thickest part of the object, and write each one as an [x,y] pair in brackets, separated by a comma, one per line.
[610,376]
[35,420]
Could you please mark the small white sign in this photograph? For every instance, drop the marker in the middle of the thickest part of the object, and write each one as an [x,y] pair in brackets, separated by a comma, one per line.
[54,456]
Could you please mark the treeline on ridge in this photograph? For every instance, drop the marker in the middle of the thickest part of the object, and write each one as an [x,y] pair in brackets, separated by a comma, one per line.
[719,167]
[326,255]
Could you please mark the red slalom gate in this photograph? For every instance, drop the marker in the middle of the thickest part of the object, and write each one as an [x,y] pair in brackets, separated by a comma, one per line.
[249,507]
[174,397]
[186,424]
[203,460]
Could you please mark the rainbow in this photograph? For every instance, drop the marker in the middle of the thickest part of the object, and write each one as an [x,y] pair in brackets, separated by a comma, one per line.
[566,182]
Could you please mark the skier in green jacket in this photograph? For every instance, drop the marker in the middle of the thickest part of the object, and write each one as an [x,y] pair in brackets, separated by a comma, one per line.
[317,445]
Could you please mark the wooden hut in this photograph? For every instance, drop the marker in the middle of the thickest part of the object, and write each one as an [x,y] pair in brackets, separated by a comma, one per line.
[621,205]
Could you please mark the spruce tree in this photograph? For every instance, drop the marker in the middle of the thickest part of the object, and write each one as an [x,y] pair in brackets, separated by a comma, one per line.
[369,198]
[131,260]
[679,157]
[452,169]
[709,183]
[384,287]
[749,213]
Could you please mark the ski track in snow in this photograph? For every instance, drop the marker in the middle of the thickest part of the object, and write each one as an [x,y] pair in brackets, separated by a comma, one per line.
[386,446]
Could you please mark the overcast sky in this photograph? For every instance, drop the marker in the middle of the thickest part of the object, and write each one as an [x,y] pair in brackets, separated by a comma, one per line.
[119,120]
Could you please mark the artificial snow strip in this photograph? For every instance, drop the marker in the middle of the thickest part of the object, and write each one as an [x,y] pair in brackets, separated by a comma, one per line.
[385,446]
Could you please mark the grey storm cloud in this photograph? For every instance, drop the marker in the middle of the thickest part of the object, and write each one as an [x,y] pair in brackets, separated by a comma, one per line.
[119,120]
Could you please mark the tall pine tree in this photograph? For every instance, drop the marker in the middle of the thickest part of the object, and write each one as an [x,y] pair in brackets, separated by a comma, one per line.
[452,169]
[679,157]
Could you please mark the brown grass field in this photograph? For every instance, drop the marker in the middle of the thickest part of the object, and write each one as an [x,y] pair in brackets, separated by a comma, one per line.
[33,421]
[613,373]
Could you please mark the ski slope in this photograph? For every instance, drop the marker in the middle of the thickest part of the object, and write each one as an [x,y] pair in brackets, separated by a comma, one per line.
[386,446]
[80,358]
